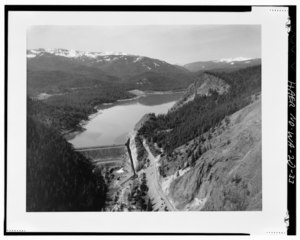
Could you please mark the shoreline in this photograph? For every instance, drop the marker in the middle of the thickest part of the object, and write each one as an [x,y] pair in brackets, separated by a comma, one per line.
[68,135]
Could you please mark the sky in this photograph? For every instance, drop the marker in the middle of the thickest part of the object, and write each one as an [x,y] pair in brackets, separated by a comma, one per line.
[173,44]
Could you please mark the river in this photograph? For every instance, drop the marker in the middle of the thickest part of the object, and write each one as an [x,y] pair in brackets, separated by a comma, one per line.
[112,123]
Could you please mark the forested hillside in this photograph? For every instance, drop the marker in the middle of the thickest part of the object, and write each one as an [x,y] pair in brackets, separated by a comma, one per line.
[196,117]
[67,110]
[59,81]
[58,179]
[209,148]
[61,70]
[72,83]
[223,64]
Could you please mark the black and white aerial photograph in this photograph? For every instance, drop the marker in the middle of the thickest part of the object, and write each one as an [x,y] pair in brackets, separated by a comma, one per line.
[141,118]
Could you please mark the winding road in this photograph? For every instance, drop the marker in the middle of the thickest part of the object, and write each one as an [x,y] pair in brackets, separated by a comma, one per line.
[153,170]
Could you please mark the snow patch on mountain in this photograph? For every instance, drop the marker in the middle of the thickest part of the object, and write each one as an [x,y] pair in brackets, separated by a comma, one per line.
[230,60]
[146,66]
[31,55]
[71,53]
[138,59]
[156,64]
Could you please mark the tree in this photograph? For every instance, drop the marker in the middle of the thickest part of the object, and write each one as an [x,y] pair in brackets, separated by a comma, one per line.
[149,206]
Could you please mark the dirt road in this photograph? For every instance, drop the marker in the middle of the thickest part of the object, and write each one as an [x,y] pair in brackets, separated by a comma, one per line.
[160,199]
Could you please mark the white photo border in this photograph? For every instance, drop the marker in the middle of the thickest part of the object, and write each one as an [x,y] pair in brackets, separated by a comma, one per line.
[274,100]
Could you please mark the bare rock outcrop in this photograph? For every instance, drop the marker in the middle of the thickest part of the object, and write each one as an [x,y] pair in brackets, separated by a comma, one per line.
[227,176]
[205,83]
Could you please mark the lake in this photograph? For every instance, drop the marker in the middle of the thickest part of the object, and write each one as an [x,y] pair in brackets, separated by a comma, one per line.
[112,123]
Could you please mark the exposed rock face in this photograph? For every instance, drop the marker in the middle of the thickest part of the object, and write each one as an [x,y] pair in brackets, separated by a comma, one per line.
[227,176]
[202,86]
[138,152]
[210,83]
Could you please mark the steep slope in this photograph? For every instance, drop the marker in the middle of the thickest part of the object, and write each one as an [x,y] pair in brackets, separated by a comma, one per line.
[58,179]
[228,175]
[203,86]
[209,146]
[204,112]
[222,64]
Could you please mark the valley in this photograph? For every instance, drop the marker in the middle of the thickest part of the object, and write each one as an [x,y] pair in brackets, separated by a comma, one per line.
[195,136]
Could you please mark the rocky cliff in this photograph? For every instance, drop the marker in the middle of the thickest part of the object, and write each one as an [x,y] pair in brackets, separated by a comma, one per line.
[204,84]
[220,170]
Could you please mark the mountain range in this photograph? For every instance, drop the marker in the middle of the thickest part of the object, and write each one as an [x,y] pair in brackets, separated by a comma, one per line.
[135,71]
[57,69]
[117,64]
[226,64]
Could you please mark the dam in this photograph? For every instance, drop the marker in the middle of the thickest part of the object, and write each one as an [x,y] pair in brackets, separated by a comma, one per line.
[111,154]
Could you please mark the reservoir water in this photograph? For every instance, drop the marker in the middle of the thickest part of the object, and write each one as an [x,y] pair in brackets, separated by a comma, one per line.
[112,123]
